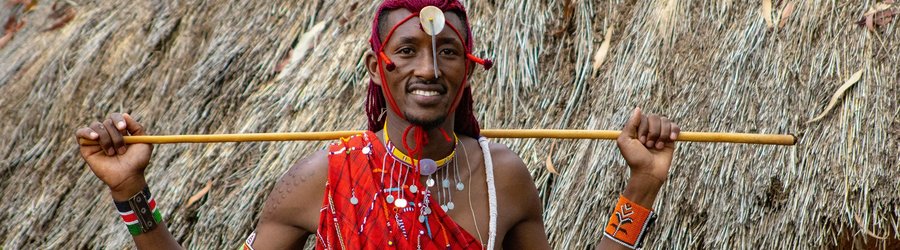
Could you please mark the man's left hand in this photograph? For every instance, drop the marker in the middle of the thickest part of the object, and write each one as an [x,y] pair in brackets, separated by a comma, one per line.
[647,143]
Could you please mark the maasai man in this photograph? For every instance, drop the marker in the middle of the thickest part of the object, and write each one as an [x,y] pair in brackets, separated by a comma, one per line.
[420,178]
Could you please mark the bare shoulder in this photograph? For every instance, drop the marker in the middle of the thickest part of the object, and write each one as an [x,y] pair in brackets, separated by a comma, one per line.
[515,186]
[291,211]
[518,198]
[300,190]
[311,171]
[509,166]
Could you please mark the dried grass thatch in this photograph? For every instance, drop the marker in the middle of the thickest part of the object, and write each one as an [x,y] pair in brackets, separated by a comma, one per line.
[209,67]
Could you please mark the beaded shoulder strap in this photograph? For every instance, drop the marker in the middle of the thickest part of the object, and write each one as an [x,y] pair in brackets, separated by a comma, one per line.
[492,191]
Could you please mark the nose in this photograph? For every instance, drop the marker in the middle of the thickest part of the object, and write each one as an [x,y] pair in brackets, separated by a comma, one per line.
[426,67]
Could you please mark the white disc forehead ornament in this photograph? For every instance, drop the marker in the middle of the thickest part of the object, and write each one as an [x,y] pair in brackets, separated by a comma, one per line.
[432,20]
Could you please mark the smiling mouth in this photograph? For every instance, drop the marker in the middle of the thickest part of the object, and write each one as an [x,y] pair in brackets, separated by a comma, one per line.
[425,92]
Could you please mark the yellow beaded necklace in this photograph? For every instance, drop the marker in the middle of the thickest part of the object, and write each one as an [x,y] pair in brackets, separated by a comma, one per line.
[409,160]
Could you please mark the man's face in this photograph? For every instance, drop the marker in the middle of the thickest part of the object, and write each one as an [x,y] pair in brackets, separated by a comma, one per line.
[423,99]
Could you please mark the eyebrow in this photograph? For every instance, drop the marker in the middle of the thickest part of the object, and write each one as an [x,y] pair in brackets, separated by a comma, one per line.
[440,40]
[407,39]
[447,40]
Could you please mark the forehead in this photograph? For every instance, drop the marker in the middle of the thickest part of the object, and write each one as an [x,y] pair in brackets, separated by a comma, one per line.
[412,26]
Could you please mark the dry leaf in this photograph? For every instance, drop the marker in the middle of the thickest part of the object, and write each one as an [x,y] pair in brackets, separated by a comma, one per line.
[62,14]
[858,220]
[13,25]
[550,166]
[196,197]
[304,44]
[785,14]
[879,15]
[665,15]
[870,23]
[568,11]
[283,62]
[837,95]
[9,24]
[603,50]
[9,30]
[767,13]
[884,17]
[5,39]
[30,5]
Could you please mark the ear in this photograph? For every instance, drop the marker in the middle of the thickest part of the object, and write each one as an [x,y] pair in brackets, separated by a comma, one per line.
[471,68]
[372,67]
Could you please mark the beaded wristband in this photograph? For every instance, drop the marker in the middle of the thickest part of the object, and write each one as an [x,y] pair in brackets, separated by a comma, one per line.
[139,212]
[629,223]
[248,244]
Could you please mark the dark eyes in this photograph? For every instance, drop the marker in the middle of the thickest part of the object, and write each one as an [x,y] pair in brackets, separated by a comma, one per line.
[410,51]
[449,52]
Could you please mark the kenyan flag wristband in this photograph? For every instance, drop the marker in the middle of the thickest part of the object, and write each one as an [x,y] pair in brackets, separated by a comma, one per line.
[139,212]
[629,224]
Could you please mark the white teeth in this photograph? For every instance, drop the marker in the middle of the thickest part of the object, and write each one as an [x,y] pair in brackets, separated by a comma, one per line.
[425,93]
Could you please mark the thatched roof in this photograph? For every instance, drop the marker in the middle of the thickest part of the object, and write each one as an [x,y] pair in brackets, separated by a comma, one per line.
[209,67]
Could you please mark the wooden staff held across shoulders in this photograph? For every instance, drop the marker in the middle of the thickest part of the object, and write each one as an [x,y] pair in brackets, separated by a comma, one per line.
[771,139]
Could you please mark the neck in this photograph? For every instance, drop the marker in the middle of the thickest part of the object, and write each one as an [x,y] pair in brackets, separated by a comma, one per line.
[437,146]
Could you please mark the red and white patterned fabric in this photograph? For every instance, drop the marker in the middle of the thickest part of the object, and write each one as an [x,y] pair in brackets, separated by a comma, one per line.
[360,167]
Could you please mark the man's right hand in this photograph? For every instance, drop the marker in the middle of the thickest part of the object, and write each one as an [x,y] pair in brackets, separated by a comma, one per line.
[119,165]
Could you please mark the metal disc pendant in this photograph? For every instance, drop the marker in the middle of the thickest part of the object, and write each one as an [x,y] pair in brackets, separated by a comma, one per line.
[444,207]
[354,200]
[401,203]
[427,210]
[390,199]
[432,20]
[421,218]
[460,186]
[429,182]
[450,205]
[427,166]
[446,183]
[413,188]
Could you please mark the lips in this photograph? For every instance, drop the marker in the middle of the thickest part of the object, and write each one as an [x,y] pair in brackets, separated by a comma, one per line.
[426,87]
[426,94]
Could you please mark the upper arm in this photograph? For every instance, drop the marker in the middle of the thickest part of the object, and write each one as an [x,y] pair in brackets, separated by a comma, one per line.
[291,211]
[521,199]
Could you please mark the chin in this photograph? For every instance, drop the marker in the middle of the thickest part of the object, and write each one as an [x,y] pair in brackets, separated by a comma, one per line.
[425,121]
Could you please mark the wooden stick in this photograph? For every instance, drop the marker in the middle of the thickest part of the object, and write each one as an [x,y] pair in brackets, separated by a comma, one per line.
[490,133]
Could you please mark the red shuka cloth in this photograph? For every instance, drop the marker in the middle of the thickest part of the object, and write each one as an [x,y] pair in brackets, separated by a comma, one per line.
[356,168]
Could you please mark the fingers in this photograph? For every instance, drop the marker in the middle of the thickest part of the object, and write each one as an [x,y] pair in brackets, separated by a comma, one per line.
[630,130]
[110,133]
[118,143]
[643,128]
[86,133]
[133,127]
[119,121]
[103,138]
[676,130]
[665,132]
[653,131]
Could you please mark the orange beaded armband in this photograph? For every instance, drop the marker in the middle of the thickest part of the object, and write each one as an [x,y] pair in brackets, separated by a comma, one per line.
[629,223]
